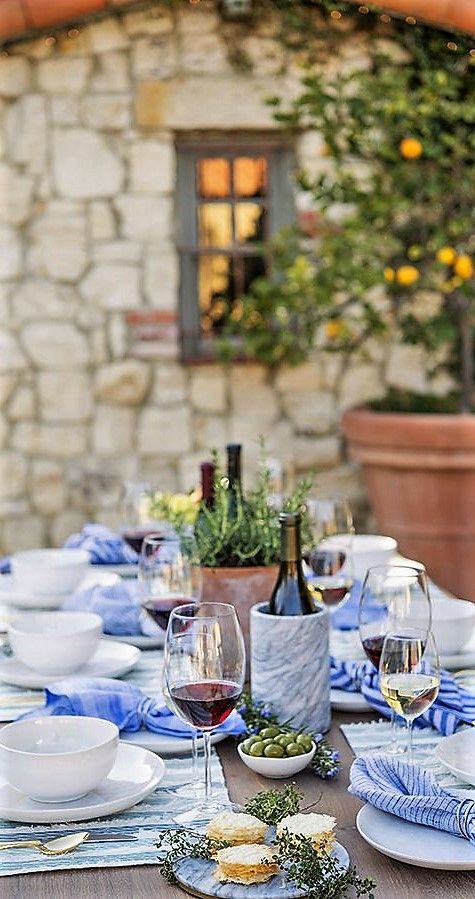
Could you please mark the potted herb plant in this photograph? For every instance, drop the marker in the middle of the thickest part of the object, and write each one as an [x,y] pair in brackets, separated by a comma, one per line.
[387,259]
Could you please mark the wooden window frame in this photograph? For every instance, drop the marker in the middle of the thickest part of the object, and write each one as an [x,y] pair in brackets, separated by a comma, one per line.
[279,203]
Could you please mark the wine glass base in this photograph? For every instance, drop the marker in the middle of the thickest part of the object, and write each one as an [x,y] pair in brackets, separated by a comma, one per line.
[200,811]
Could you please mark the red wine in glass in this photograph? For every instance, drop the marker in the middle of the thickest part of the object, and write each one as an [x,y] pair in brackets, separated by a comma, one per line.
[373,647]
[160,608]
[206,704]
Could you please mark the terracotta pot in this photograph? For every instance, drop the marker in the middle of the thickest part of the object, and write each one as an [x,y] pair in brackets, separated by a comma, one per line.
[242,588]
[420,475]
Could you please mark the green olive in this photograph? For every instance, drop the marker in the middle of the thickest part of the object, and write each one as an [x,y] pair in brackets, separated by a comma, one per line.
[293,749]
[269,732]
[304,740]
[268,741]
[253,739]
[274,751]
[257,749]
[285,739]
[246,745]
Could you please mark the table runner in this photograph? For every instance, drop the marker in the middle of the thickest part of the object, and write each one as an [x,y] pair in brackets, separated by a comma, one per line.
[153,814]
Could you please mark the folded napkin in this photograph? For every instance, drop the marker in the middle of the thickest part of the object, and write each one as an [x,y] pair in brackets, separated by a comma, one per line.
[454,705]
[123,704]
[119,607]
[104,546]
[411,793]
[5,565]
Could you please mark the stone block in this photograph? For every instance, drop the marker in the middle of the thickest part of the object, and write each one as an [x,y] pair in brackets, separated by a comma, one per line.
[170,385]
[143,217]
[138,23]
[407,368]
[250,429]
[83,165]
[123,383]
[101,220]
[47,485]
[152,166]
[60,441]
[208,389]
[65,395]
[58,247]
[13,471]
[117,335]
[303,378]
[154,57]
[360,382]
[22,404]
[12,357]
[55,345]
[112,286]
[106,35]
[15,195]
[252,393]
[8,383]
[151,104]
[199,19]
[64,109]
[162,475]
[113,430]
[316,452]
[10,253]
[209,432]
[189,475]
[65,524]
[124,251]
[161,275]
[3,431]
[25,130]
[15,76]
[313,412]
[164,432]
[106,112]
[344,480]
[205,55]
[266,55]
[23,532]
[111,73]
[38,298]
[64,75]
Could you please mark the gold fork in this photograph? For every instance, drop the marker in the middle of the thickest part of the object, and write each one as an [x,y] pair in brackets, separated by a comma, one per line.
[58,846]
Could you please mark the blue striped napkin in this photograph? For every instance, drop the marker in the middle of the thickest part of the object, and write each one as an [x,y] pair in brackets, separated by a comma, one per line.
[123,704]
[119,607]
[454,705]
[103,545]
[411,793]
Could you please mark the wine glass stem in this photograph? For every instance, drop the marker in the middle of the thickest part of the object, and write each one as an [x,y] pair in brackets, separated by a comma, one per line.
[207,755]
[410,758]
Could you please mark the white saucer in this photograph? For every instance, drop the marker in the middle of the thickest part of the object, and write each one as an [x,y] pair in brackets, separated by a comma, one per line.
[345,701]
[11,596]
[164,744]
[140,640]
[126,570]
[457,753]
[111,659]
[414,844]
[135,775]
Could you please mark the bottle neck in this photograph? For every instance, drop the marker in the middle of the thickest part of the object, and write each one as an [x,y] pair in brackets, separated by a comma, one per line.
[207,483]
[290,551]
[234,467]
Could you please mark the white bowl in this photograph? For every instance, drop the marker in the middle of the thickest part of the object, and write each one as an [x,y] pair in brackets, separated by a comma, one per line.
[453,623]
[367,550]
[44,571]
[277,768]
[58,759]
[55,642]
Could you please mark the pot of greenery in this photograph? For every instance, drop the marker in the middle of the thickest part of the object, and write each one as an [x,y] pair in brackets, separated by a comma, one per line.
[387,262]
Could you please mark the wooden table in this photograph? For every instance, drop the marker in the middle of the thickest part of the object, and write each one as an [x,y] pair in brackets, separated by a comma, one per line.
[394,880]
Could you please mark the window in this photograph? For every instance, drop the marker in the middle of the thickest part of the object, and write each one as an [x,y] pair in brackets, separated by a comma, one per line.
[231,197]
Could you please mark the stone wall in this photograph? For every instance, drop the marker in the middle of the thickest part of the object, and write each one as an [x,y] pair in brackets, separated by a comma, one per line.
[87,259]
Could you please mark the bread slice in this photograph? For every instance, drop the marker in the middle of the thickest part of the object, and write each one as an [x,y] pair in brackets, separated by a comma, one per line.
[236,828]
[246,863]
[319,828]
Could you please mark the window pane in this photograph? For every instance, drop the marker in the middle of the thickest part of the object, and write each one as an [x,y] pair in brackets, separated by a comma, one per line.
[214,178]
[250,176]
[215,227]
[249,221]
[253,267]
[216,291]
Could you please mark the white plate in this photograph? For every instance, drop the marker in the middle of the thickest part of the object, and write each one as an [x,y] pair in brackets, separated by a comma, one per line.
[345,701]
[122,570]
[414,844]
[139,640]
[165,745]
[457,753]
[111,659]
[135,775]
[12,597]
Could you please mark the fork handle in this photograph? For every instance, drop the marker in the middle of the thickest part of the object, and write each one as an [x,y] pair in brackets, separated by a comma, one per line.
[21,844]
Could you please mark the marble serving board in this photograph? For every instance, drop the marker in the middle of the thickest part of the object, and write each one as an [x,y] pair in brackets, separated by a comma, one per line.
[196,876]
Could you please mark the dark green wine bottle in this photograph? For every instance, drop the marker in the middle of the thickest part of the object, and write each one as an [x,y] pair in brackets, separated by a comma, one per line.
[290,595]
[233,451]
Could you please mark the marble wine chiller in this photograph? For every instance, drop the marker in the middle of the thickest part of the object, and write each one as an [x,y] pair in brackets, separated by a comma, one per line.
[290,666]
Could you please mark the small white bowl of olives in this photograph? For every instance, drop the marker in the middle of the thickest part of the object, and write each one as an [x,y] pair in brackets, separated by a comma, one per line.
[277,752]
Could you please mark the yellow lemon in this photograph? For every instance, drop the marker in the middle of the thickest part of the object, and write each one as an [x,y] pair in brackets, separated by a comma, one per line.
[446,255]
[410,148]
[389,274]
[334,329]
[407,275]
[463,267]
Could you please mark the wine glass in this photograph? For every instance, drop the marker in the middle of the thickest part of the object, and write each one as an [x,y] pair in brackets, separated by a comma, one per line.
[392,596]
[329,517]
[134,504]
[204,669]
[331,575]
[409,675]
[169,574]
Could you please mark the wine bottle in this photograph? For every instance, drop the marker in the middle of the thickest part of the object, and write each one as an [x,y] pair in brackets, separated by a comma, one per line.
[290,595]
[233,451]
[208,471]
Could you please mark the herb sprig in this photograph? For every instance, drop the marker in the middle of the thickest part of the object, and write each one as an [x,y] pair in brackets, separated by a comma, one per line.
[271,806]
[182,843]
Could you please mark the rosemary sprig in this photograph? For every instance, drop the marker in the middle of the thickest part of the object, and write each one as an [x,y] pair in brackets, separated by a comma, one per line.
[271,806]
[183,843]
